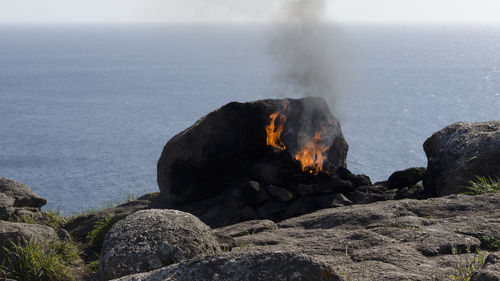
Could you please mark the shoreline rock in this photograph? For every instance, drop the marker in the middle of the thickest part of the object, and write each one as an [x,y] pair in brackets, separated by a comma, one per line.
[460,152]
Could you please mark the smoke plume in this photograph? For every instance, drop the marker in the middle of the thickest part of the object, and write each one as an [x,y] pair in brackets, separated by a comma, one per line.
[303,49]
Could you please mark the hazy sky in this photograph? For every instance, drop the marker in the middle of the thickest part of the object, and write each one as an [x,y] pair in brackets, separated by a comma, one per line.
[259,10]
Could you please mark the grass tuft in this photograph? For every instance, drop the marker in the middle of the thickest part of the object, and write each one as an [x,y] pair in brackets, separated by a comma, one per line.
[484,185]
[23,219]
[489,242]
[468,265]
[31,261]
[96,236]
[93,266]
[54,219]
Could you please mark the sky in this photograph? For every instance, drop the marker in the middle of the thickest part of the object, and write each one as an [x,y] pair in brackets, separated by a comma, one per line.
[240,10]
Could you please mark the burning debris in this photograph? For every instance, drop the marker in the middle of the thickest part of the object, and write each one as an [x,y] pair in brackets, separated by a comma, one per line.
[269,159]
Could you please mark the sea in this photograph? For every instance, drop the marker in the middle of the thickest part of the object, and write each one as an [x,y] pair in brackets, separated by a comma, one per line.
[85,110]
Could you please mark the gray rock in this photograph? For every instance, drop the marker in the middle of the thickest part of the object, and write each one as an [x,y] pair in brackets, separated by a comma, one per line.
[460,152]
[226,145]
[14,232]
[246,228]
[390,240]
[6,206]
[150,239]
[406,178]
[269,266]
[490,271]
[23,195]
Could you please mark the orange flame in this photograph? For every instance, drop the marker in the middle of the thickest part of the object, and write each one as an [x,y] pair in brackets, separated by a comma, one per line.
[311,156]
[274,133]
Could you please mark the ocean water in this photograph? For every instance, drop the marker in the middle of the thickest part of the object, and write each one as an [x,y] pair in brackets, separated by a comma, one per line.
[85,110]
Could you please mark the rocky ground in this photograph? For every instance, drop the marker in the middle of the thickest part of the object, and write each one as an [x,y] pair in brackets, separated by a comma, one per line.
[389,240]
[398,229]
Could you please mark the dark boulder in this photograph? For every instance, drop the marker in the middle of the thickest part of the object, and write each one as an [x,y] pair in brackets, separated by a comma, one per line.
[229,145]
[358,180]
[406,178]
[459,153]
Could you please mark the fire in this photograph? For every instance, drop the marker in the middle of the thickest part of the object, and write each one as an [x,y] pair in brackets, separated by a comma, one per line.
[274,132]
[311,156]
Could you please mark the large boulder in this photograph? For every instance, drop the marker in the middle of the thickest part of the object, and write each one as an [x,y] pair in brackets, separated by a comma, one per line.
[151,239]
[459,153]
[228,145]
[265,266]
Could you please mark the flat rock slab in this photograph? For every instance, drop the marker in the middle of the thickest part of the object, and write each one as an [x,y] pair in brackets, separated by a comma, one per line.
[269,266]
[390,240]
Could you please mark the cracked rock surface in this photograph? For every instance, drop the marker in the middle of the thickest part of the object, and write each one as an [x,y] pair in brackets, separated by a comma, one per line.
[391,240]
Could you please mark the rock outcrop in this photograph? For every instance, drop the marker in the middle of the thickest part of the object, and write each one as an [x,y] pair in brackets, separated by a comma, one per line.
[265,266]
[390,240]
[223,169]
[459,153]
[151,239]
[17,199]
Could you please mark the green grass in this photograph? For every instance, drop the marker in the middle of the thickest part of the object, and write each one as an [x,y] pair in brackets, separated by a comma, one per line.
[93,266]
[50,218]
[484,185]
[468,265]
[23,219]
[54,219]
[96,236]
[490,242]
[129,197]
[31,261]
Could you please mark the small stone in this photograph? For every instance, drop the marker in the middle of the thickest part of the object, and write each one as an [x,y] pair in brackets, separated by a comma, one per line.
[406,178]
[279,193]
